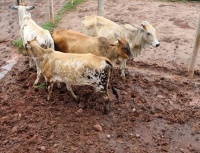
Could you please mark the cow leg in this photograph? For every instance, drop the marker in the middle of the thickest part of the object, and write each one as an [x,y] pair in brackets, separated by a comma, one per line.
[70,89]
[38,75]
[30,62]
[58,85]
[106,103]
[86,99]
[88,95]
[49,88]
[122,68]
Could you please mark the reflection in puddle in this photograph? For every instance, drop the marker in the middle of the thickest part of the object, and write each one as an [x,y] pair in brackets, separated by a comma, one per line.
[10,63]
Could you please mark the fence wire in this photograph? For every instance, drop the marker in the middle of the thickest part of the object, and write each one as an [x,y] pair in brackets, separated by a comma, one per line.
[9,18]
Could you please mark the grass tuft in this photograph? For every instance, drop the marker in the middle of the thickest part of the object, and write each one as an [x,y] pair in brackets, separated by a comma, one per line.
[18,43]
[40,86]
[51,25]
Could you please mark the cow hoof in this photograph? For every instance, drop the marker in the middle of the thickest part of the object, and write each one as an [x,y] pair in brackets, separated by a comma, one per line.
[118,101]
[106,111]
[81,105]
[36,89]
[77,100]
[35,84]
[31,68]
[48,98]
[123,77]
[58,85]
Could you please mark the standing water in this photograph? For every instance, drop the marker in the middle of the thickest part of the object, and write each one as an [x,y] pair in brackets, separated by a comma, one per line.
[9,64]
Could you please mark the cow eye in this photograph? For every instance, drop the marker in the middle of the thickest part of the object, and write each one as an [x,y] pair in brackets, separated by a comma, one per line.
[148,34]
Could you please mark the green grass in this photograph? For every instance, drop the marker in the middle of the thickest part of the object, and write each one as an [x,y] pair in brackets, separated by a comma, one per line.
[51,25]
[40,86]
[18,43]
[67,7]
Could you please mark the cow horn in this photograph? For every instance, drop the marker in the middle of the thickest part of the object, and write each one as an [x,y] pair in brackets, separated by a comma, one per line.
[13,7]
[30,7]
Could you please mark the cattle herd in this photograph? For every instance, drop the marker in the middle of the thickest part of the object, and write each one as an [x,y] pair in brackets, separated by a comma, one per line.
[82,59]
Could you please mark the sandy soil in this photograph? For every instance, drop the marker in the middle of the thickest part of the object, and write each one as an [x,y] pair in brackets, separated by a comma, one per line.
[159,109]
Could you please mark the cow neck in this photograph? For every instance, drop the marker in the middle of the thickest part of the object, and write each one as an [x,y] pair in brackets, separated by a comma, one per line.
[138,40]
[37,51]
[114,52]
[21,12]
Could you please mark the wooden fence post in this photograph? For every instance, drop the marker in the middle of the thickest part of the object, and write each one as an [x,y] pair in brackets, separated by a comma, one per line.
[51,12]
[195,51]
[18,2]
[101,7]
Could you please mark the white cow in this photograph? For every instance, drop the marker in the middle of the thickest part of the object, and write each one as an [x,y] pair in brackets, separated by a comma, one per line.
[30,30]
[195,51]
[137,38]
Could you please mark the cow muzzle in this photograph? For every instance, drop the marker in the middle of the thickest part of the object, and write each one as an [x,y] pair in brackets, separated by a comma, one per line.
[155,44]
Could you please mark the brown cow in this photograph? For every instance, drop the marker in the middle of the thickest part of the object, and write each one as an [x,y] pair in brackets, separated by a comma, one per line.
[69,41]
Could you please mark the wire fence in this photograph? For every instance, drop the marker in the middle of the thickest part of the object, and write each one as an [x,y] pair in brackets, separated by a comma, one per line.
[9,18]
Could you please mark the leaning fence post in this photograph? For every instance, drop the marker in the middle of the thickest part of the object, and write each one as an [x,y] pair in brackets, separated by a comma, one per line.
[101,7]
[195,51]
[51,12]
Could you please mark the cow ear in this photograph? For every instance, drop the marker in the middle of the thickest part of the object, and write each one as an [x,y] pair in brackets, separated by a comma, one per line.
[27,46]
[117,36]
[144,24]
[14,7]
[30,7]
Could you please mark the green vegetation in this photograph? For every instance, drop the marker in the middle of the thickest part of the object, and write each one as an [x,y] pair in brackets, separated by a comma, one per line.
[18,43]
[67,7]
[40,86]
[51,25]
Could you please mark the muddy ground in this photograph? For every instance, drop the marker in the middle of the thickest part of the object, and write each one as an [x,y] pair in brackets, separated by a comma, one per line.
[159,109]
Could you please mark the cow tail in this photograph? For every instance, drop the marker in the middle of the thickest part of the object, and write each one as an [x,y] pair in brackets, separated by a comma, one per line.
[113,88]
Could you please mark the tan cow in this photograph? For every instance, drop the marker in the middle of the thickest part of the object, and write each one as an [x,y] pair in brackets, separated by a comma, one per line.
[73,69]
[69,41]
[137,38]
[195,51]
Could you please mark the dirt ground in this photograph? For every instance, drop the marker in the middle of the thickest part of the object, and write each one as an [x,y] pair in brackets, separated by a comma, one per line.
[159,109]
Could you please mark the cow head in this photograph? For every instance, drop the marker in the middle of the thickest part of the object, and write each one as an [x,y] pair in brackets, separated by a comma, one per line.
[123,45]
[26,7]
[149,34]
[28,47]
[22,10]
